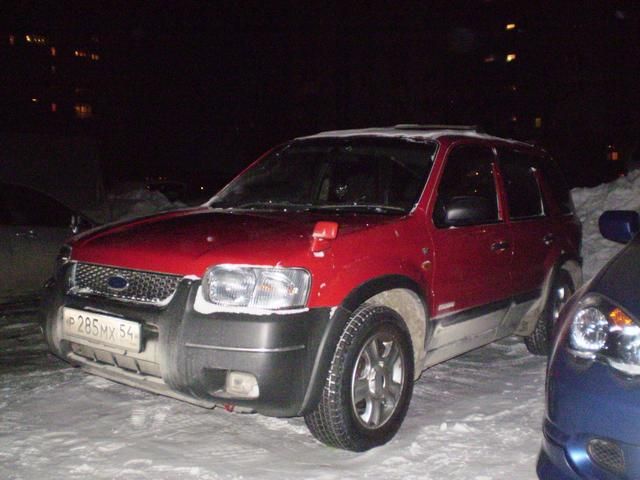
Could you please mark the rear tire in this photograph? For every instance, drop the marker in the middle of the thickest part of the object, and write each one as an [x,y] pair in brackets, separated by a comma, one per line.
[369,384]
[541,339]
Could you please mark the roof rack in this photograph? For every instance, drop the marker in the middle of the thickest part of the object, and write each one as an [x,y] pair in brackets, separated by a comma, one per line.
[414,126]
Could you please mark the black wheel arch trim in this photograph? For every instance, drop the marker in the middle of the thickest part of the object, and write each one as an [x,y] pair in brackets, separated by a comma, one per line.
[337,321]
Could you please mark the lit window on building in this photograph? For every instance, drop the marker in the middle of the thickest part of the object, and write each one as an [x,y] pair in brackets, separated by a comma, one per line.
[537,123]
[53,51]
[54,107]
[12,39]
[83,110]
[511,57]
[489,59]
[85,54]
[36,39]
[510,26]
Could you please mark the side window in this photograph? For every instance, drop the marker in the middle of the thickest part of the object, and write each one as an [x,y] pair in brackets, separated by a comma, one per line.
[521,184]
[556,182]
[467,187]
[27,207]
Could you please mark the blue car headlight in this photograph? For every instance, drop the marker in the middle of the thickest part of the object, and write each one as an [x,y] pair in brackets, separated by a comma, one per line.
[599,329]
[271,288]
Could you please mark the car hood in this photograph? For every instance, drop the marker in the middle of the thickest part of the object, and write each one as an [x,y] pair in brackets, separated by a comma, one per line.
[187,242]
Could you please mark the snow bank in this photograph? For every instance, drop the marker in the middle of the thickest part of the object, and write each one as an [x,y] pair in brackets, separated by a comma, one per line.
[138,202]
[131,200]
[621,194]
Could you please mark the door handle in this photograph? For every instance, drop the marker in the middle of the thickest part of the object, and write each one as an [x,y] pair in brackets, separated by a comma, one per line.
[548,238]
[499,246]
[28,234]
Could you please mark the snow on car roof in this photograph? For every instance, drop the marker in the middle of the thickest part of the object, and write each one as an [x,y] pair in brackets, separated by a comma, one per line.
[423,132]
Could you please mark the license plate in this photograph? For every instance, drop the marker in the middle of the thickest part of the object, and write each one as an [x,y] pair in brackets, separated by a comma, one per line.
[92,328]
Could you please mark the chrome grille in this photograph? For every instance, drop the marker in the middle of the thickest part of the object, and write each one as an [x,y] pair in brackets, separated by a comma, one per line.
[141,286]
[607,455]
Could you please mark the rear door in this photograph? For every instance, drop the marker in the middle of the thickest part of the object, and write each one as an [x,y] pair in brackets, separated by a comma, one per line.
[531,226]
[472,262]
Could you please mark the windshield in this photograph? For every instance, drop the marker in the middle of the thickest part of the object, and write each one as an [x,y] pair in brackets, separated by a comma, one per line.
[383,175]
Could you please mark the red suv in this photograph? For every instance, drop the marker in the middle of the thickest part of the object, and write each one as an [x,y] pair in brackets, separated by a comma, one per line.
[326,277]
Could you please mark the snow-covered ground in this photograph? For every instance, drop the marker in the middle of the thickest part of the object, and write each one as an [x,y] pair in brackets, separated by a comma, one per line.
[476,417]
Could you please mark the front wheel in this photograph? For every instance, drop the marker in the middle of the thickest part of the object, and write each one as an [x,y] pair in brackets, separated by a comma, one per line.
[369,383]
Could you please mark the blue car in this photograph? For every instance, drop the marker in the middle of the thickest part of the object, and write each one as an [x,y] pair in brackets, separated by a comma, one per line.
[592,421]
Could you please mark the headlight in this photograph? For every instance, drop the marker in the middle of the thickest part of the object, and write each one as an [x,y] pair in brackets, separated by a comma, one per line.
[589,330]
[600,329]
[260,287]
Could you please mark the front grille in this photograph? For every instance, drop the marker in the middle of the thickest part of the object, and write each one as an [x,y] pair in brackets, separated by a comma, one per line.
[141,286]
[607,455]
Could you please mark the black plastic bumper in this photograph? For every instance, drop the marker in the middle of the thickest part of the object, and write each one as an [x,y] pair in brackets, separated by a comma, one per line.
[196,351]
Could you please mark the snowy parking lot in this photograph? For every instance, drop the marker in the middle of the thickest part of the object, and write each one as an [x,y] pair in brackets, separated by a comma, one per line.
[476,417]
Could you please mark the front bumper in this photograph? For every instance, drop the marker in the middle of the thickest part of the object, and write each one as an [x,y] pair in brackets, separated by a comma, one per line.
[188,355]
[587,402]
[552,461]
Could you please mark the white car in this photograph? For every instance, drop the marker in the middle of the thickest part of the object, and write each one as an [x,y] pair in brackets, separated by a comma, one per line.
[33,227]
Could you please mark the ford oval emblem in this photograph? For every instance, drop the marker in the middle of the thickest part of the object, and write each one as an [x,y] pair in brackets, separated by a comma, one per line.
[117,283]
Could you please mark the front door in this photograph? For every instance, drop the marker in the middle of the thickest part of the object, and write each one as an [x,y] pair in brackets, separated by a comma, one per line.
[472,284]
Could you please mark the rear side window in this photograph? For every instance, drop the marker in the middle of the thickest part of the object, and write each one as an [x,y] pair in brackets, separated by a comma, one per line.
[468,174]
[521,184]
[556,182]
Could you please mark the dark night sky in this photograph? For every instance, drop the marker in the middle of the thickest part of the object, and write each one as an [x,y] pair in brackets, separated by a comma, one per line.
[195,86]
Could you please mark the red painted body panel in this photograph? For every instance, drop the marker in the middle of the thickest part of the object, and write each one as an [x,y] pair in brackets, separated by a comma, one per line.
[468,272]
[188,242]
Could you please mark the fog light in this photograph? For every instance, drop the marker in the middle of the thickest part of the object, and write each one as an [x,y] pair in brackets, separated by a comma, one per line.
[607,455]
[243,385]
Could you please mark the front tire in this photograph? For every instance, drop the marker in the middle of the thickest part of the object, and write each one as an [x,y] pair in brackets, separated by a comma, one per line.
[369,384]
[541,339]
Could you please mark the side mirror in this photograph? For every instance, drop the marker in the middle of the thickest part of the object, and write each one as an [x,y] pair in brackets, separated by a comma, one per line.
[467,210]
[79,223]
[619,225]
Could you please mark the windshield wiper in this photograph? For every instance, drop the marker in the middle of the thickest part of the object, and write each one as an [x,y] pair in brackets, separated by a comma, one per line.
[264,206]
[341,207]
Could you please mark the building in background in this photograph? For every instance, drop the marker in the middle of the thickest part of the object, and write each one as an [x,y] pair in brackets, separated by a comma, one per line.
[51,98]
[566,76]
[51,82]
[167,87]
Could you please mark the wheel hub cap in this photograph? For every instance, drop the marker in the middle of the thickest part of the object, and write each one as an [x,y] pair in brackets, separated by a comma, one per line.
[377,381]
